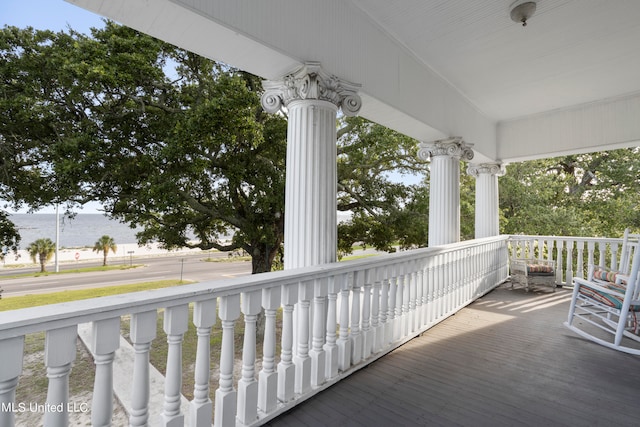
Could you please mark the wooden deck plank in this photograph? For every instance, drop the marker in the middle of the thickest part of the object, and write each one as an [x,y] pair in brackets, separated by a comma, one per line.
[504,360]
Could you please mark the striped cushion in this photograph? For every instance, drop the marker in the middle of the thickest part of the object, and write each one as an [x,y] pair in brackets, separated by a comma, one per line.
[539,269]
[606,275]
[606,298]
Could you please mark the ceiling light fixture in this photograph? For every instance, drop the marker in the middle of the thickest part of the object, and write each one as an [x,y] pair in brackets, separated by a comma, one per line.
[522,10]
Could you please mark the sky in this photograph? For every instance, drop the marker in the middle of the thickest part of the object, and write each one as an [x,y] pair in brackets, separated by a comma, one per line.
[47,15]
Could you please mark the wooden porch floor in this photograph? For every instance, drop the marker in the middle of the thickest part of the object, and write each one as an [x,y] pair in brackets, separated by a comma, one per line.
[505,360]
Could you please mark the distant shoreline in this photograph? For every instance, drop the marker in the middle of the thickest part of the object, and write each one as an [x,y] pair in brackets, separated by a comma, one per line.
[83,254]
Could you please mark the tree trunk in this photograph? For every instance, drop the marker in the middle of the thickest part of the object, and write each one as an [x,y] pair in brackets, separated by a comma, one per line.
[43,261]
[104,261]
[261,260]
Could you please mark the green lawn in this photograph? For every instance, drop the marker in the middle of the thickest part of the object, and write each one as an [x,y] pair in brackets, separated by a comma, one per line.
[24,301]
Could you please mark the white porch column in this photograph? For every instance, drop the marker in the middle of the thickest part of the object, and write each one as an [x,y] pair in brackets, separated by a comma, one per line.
[487,205]
[312,98]
[444,191]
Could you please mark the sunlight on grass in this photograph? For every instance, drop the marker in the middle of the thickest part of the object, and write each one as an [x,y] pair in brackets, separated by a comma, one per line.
[75,270]
[24,301]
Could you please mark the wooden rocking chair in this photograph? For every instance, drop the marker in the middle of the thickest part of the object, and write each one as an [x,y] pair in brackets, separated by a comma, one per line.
[610,302]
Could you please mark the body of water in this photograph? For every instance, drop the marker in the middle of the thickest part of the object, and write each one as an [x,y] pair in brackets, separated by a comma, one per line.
[83,230]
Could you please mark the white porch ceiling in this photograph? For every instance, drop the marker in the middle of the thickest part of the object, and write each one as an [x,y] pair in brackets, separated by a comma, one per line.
[567,82]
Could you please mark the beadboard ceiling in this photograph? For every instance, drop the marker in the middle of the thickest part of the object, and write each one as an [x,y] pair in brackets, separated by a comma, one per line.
[571,52]
[436,68]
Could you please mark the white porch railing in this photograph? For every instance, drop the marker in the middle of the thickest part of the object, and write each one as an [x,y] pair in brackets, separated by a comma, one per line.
[347,315]
[573,255]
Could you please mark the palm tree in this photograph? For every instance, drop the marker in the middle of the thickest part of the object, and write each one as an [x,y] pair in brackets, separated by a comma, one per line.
[104,244]
[43,250]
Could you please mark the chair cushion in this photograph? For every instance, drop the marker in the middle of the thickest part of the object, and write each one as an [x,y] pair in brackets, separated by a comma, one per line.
[606,275]
[540,269]
[605,298]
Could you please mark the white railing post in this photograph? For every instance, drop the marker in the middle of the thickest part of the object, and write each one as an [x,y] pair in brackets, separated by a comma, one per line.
[413,320]
[226,396]
[397,321]
[318,328]
[420,303]
[142,332]
[376,329]
[569,273]
[431,291]
[559,267]
[367,333]
[344,340]
[580,260]
[286,368]
[381,334]
[247,409]
[406,285]
[356,335]
[201,407]
[301,358]
[104,343]
[390,328]
[614,256]
[330,347]
[59,354]
[11,355]
[602,246]
[175,324]
[268,377]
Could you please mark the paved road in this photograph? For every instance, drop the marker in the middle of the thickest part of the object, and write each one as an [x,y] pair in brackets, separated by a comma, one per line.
[189,267]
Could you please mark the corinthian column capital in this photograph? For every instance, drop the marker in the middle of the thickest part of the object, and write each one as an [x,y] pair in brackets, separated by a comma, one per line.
[451,147]
[311,82]
[476,169]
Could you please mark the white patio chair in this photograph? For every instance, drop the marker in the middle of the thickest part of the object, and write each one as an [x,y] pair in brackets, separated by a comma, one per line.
[529,272]
[608,303]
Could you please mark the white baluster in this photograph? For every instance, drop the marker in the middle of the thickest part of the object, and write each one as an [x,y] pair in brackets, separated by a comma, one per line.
[286,368]
[580,264]
[301,358]
[375,311]
[412,320]
[59,353]
[226,396]
[268,377]
[176,322]
[559,267]
[367,333]
[143,331]
[251,305]
[602,248]
[614,256]
[344,341]
[201,407]
[318,328]
[384,308]
[391,316]
[105,341]
[570,261]
[11,355]
[420,297]
[397,316]
[330,347]
[406,292]
[356,335]
[591,246]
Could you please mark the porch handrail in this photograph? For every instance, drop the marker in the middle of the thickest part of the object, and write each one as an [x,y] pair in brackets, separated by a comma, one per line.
[573,254]
[348,314]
